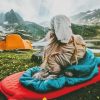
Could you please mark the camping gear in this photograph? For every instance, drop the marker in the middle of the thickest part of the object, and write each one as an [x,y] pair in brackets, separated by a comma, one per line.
[13,42]
[83,71]
[86,69]
[13,89]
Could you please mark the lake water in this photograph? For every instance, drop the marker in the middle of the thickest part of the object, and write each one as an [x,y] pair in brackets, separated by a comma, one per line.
[93,44]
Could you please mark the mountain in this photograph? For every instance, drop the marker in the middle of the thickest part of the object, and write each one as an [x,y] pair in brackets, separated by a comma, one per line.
[12,17]
[87,31]
[30,28]
[12,22]
[45,23]
[87,18]
[2,18]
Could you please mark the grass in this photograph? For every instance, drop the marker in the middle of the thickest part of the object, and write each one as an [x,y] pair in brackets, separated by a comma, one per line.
[12,62]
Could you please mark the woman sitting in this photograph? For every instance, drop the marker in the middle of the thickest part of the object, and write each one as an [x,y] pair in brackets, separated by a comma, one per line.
[64,49]
[66,60]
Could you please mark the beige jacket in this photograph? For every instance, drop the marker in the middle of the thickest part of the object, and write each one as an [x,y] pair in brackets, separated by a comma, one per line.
[58,55]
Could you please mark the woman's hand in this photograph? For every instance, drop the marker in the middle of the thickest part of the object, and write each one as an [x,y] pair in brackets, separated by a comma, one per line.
[51,76]
[70,74]
[41,75]
[38,75]
[55,53]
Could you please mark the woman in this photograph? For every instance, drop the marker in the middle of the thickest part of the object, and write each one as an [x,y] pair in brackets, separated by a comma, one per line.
[66,60]
[64,49]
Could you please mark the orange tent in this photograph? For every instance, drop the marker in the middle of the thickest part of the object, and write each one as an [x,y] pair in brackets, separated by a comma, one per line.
[14,41]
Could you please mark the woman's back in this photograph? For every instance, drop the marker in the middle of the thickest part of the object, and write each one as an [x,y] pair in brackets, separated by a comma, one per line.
[63,54]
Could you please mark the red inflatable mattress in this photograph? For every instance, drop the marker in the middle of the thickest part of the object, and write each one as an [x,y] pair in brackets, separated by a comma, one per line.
[13,90]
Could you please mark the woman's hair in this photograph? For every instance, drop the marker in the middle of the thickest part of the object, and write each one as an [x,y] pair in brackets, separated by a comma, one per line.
[61,26]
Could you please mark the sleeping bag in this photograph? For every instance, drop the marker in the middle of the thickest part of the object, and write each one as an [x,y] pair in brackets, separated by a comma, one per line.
[86,69]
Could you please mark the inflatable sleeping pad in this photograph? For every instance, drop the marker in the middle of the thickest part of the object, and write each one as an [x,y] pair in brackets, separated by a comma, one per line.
[17,86]
[13,90]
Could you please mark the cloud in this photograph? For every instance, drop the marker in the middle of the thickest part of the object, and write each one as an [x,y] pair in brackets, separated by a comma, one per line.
[40,10]
[85,5]
[25,7]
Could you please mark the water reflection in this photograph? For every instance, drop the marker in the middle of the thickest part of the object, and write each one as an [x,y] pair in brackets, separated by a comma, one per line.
[94,45]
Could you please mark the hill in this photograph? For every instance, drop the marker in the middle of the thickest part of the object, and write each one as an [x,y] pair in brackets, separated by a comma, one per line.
[10,17]
[30,28]
[13,17]
[91,17]
[12,22]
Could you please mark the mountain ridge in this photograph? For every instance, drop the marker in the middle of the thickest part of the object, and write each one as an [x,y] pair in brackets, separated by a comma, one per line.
[12,22]
[91,17]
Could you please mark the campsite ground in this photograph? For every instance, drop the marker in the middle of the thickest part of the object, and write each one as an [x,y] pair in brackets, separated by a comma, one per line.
[16,61]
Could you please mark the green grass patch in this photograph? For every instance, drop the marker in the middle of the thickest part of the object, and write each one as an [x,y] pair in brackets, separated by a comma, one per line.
[15,61]
[12,62]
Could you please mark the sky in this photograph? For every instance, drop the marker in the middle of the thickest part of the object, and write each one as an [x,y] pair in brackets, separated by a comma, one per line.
[43,10]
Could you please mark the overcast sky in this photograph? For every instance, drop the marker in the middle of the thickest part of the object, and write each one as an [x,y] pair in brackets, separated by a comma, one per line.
[41,10]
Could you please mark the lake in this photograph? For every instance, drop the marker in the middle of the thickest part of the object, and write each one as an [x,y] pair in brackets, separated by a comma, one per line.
[94,45]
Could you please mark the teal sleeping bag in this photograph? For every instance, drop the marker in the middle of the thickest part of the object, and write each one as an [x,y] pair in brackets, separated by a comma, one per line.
[86,69]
